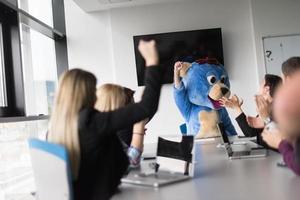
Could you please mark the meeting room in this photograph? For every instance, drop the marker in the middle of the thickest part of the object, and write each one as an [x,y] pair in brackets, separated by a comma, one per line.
[149,99]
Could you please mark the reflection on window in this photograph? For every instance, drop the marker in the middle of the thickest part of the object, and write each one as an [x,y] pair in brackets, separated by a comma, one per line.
[39,71]
[3,97]
[40,9]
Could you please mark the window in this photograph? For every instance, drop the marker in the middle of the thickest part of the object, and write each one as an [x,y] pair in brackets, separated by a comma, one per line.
[3,97]
[33,53]
[40,9]
[39,71]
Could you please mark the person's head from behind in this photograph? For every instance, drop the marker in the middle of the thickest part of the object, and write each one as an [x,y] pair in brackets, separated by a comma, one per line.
[287,107]
[76,91]
[269,85]
[111,97]
[290,67]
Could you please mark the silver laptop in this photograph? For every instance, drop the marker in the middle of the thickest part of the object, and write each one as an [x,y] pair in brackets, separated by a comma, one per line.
[241,151]
[157,179]
[169,167]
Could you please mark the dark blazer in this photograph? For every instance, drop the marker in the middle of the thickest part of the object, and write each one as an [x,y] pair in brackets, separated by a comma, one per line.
[125,135]
[250,131]
[103,161]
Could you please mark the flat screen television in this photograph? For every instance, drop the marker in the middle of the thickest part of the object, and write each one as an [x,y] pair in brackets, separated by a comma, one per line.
[186,46]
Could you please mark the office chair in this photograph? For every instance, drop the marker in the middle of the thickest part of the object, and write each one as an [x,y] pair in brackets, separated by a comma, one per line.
[51,169]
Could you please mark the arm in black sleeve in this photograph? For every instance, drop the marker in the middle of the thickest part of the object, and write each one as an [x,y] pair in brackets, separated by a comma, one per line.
[130,114]
[246,128]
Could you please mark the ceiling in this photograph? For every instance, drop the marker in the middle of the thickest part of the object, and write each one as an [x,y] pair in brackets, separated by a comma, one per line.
[96,5]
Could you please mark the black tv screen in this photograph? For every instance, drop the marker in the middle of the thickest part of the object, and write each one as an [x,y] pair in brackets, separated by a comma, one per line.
[186,46]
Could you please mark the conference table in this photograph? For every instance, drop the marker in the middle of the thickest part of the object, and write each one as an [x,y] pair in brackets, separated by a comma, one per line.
[221,178]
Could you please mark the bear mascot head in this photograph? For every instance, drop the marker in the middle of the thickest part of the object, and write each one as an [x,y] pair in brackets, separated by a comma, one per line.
[203,84]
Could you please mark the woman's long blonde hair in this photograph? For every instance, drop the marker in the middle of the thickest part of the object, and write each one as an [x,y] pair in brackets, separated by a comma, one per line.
[76,91]
[110,97]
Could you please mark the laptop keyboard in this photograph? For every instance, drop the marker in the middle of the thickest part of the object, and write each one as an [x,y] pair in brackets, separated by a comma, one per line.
[159,176]
[241,153]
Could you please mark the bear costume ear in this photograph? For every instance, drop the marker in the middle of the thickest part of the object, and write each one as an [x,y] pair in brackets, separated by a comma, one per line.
[184,69]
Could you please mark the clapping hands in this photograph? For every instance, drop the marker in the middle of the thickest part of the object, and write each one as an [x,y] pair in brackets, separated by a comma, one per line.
[263,107]
[233,103]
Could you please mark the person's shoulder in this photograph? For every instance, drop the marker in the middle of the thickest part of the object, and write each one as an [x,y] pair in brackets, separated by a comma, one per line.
[85,112]
[85,116]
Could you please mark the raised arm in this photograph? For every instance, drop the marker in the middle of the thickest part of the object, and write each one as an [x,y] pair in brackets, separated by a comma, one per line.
[180,93]
[126,116]
[177,79]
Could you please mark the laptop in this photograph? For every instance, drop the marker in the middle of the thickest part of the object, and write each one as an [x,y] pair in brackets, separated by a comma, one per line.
[173,164]
[154,179]
[241,151]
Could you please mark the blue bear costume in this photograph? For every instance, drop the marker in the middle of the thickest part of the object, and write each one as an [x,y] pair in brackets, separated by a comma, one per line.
[193,95]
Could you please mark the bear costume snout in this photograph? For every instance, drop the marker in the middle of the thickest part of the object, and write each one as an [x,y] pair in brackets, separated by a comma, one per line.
[218,91]
[224,90]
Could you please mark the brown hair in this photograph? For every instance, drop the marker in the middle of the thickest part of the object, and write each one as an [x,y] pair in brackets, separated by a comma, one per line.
[273,82]
[129,95]
[290,66]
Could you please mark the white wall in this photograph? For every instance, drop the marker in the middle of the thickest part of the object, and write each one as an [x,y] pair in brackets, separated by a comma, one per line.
[233,16]
[270,18]
[89,41]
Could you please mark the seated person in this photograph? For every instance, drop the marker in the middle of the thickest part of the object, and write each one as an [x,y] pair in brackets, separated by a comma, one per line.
[98,160]
[286,135]
[263,101]
[288,68]
[111,97]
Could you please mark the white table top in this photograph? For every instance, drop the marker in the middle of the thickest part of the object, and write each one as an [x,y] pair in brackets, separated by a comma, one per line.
[220,178]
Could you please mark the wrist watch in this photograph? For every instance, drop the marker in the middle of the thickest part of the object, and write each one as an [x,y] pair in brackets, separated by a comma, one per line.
[267,120]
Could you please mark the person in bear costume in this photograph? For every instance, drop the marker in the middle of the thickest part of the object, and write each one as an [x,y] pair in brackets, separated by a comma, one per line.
[198,87]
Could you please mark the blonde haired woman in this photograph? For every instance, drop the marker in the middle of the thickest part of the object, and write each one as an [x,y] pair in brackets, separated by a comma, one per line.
[111,97]
[97,157]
